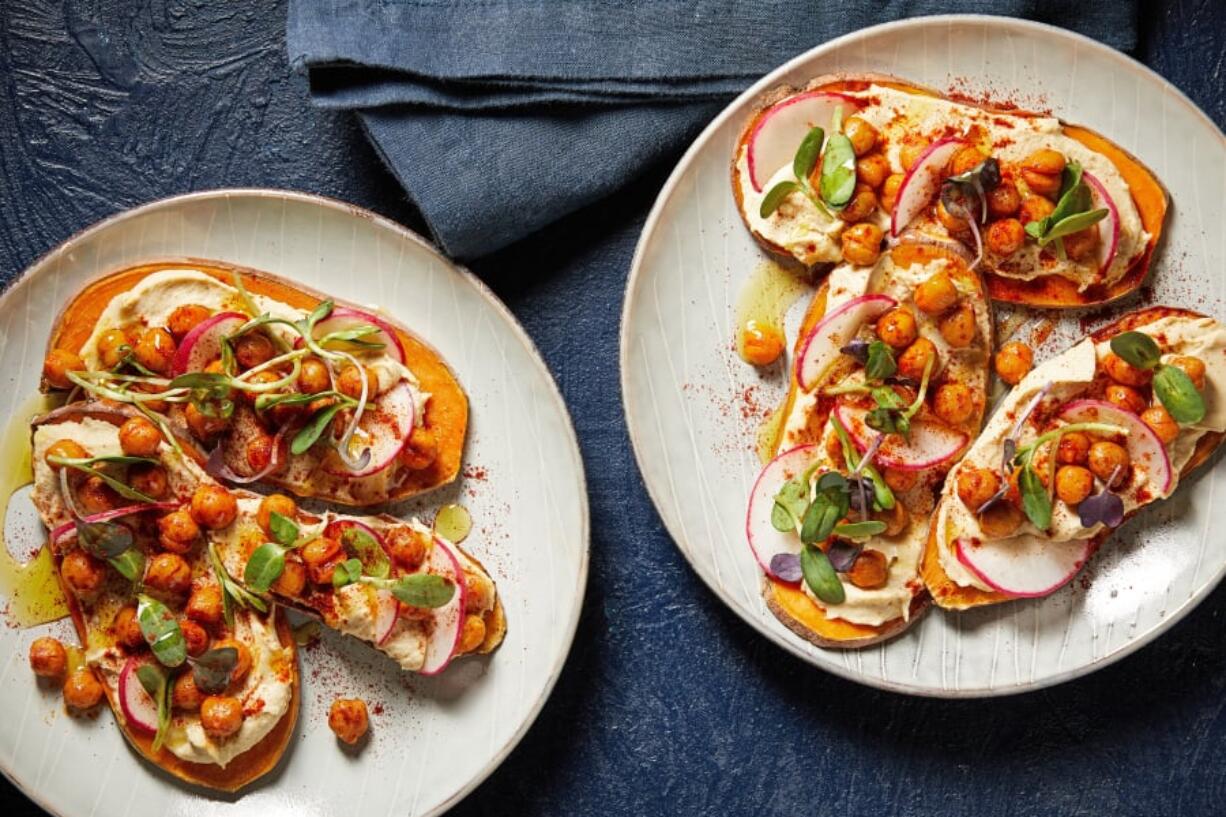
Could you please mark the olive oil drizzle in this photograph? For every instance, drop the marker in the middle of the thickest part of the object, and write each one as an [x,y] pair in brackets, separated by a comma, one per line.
[765,298]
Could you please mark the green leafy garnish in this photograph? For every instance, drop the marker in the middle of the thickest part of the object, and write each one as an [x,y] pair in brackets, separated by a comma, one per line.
[1172,386]
[1035,501]
[838,182]
[1072,212]
[775,196]
[418,590]
[831,502]
[232,593]
[308,434]
[860,530]
[1137,349]
[265,566]
[347,572]
[130,564]
[366,548]
[790,505]
[156,682]
[86,466]
[803,164]
[819,574]
[161,630]
[211,671]
[807,154]
[881,363]
[103,540]
[284,531]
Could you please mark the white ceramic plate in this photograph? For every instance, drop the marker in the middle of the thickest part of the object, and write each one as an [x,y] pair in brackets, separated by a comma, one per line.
[433,740]
[687,395]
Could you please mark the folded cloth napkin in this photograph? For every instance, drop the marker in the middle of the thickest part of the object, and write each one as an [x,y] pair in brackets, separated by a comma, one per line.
[500,116]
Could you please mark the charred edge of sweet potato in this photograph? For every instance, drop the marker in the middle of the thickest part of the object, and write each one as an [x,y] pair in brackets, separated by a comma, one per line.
[949,594]
[446,412]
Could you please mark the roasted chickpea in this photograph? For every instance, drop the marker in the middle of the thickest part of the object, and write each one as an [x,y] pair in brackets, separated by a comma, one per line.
[139,438]
[258,451]
[911,149]
[956,225]
[82,690]
[95,496]
[213,506]
[889,191]
[1073,449]
[897,328]
[936,294]
[760,345]
[155,350]
[178,531]
[1193,367]
[1004,200]
[242,664]
[1123,372]
[221,715]
[169,573]
[899,481]
[348,719]
[113,346]
[958,326]
[861,134]
[125,628]
[1013,362]
[862,205]
[149,479]
[186,318]
[261,378]
[292,580]
[349,382]
[953,403]
[872,169]
[82,573]
[314,376]
[1005,236]
[406,546]
[472,635]
[1041,171]
[870,570]
[479,592]
[976,486]
[275,503]
[185,695]
[913,361]
[1082,245]
[252,349]
[205,605]
[1034,208]
[1161,422]
[48,658]
[1073,484]
[895,519]
[1126,398]
[202,426]
[862,244]
[1105,457]
[68,449]
[58,364]
[965,159]
[194,636]
[1000,520]
[319,551]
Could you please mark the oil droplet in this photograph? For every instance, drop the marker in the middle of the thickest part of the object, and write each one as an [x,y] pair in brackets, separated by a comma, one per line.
[768,435]
[762,304]
[453,523]
[32,588]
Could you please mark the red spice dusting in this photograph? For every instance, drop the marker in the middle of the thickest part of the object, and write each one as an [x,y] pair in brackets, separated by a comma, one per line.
[476,472]
[378,709]
[1041,332]
[253,707]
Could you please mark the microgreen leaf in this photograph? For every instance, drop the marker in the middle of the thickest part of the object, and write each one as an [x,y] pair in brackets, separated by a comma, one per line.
[828,507]
[103,540]
[808,152]
[775,196]
[820,576]
[1035,501]
[232,592]
[1073,224]
[1104,508]
[308,434]
[265,566]
[421,589]
[860,530]
[1178,394]
[347,572]
[211,671]
[130,564]
[786,567]
[880,363]
[83,465]
[161,630]
[155,681]
[1137,349]
[284,531]
[373,560]
[857,350]
[838,182]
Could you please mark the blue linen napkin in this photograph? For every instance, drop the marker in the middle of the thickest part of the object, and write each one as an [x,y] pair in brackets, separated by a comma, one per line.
[501,116]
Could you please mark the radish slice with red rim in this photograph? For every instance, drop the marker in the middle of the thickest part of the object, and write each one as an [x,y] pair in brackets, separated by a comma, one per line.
[387,610]
[1023,566]
[930,444]
[105,516]
[834,331]
[202,345]
[344,317]
[922,183]
[444,638]
[765,541]
[1109,227]
[387,424]
[777,134]
[139,709]
[1144,448]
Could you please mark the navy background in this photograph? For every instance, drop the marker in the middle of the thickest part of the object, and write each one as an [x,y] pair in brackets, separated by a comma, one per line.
[668,703]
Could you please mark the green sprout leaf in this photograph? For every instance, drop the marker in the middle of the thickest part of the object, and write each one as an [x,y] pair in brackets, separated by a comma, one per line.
[155,681]
[347,572]
[881,363]
[284,531]
[308,434]
[1035,501]
[820,576]
[103,540]
[775,196]
[808,153]
[161,630]
[265,566]
[369,552]
[422,590]
[130,564]
[211,671]
[1137,349]
[860,530]
[838,181]
[1178,394]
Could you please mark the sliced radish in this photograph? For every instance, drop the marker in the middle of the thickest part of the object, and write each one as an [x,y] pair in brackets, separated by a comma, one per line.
[779,131]
[202,345]
[444,639]
[387,425]
[929,445]
[764,540]
[139,710]
[1024,566]
[833,332]
[344,317]
[922,183]
[105,516]
[387,608]
[1109,227]
[1144,448]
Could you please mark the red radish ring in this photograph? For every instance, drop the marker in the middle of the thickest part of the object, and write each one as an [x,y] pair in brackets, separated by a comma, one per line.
[1109,227]
[344,317]
[780,129]
[202,345]
[139,709]
[1144,447]
[444,638]
[922,183]
[764,540]
[930,445]
[389,424]
[1024,566]
[833,332]
[105,516]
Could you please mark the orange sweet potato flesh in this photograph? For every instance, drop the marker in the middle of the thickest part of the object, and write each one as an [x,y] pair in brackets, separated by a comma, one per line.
[951,595]
[446,412]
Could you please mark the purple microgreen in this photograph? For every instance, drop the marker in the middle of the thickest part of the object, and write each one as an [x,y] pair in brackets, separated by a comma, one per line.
[857,350]
[1103,508]
[786,567]
[843,554]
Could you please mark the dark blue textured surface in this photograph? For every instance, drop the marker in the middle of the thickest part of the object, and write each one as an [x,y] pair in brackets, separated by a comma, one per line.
[668,704]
